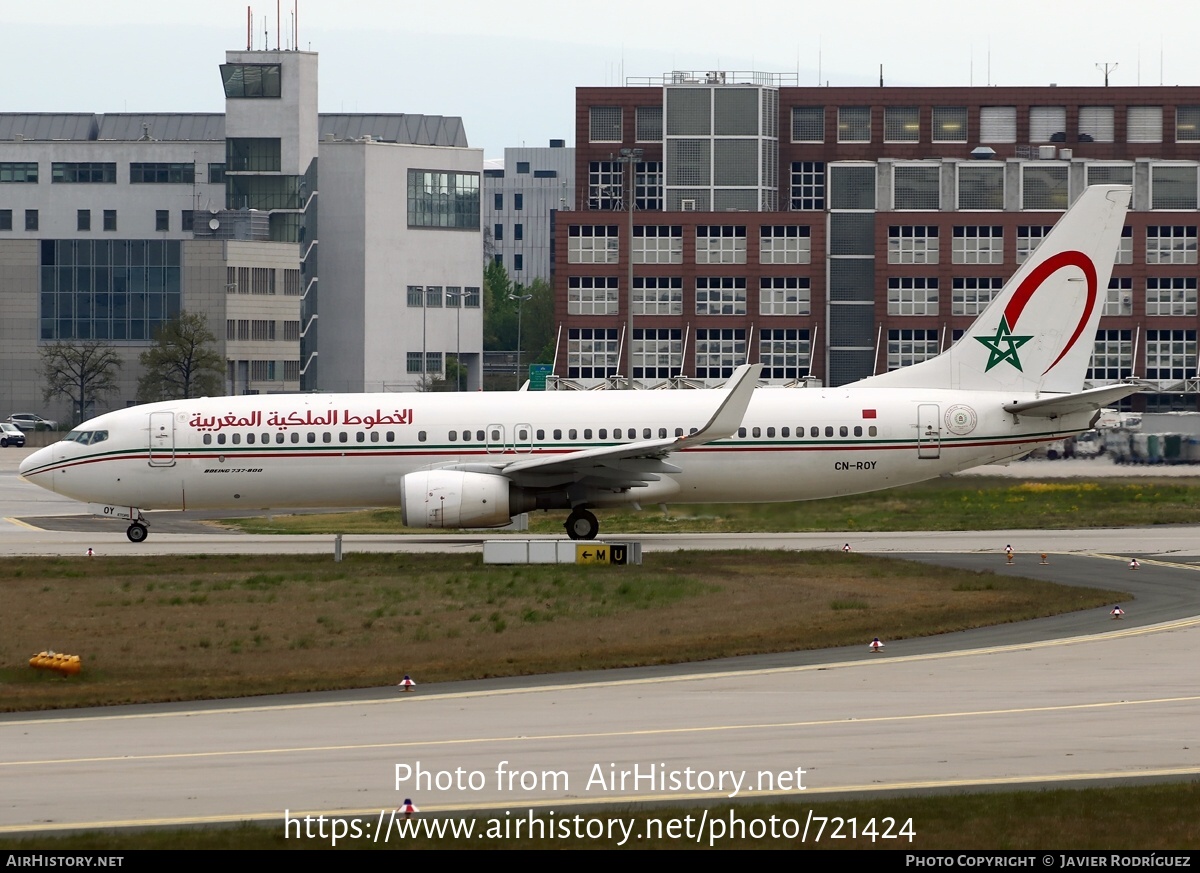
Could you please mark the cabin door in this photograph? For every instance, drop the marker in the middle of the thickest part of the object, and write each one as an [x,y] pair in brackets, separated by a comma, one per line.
[929,433]
[162,439]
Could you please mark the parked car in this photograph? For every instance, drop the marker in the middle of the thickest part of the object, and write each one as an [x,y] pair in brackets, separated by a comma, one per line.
[11,435]
[29,421]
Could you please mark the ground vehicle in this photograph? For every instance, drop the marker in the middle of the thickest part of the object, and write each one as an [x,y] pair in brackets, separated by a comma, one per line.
[11,435]
[29,421]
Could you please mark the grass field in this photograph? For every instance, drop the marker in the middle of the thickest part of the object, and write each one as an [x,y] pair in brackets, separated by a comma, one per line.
[952,503]
[180,628]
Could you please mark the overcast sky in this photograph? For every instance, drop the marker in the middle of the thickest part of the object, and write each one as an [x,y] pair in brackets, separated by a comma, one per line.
[509,68]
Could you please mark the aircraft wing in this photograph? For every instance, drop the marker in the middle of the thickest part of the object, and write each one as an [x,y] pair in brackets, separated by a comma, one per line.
[627,465]
[1082,401]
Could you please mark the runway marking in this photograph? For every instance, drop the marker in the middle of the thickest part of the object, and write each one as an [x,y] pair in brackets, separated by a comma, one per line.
[541,738]
[674,800]
[23,524]
[865,661]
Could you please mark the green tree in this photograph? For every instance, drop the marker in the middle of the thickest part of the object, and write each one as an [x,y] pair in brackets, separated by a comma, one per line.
[81,370]
[182,363]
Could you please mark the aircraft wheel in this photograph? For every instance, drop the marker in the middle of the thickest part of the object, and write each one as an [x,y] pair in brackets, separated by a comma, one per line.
[137,532]
[582,525]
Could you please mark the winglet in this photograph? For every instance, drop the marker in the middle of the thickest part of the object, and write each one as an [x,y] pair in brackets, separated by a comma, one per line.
[728,416]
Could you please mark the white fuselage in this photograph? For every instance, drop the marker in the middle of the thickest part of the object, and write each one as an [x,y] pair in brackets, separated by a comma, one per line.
[353,450]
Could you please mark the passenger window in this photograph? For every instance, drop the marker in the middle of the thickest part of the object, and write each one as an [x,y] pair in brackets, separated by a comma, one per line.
[741,433]
[208,439]
[843,431]
[312,437]
[814,431]
[374,436]
[391,436]
[541,434]
[236,439]
[495,436]
[279,438]
[757,432]
[858,430]
[327,437]
[343,437]
[587,433]
[295,437]
[603,433]
[249,439]
[466,436]
[662,433]
[478,436]
[453,436]
[693,430]
[770,432]
[785,432]
[828,430]
[522,435]
[220,439]
[678,431]
[558,433]
[872,430]
[573,434]
[360,437]
[421,436]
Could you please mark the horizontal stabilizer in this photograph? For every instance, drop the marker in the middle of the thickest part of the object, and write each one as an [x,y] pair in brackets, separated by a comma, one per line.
[1082,401]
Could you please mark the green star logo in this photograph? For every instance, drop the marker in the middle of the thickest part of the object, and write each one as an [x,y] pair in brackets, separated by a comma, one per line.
[1003,346]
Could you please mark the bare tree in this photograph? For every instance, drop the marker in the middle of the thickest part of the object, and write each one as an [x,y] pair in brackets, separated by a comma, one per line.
[182,363]
[80,370]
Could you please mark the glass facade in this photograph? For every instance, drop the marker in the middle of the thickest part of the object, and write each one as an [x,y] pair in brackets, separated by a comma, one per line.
[108,289]
[251,80]
[439,198]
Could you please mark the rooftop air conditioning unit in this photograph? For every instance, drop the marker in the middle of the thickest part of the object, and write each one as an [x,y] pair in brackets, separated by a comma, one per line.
[687,205]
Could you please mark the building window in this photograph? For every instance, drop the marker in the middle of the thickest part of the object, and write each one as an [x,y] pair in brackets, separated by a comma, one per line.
[592,244]
[852,186]
[719,352]
[592,295]
[907,347]
[658,244]
[6,219]
[1048,124]
[606,185]
[31,219]
[262,330]
[912,295]
[1187,125]
[83,172]
[1029,237]
[808,185]
[970,295]
[518,232]
[720,244]
[545,174]
[784,295]
[414,361]
[216,174]
[1112,357]
[83,219]
[162,219]
[808,124]
[523,167]
[251,80]
[785,353]
[518,262]
[187,220]
[1173,296]
[416,295]
[912,244]
[604,124]
[648,185]
[1119,298]
[1172,186]
[980,187]
[1170,354]
[784,244]
[443,199]
[978,244]
[591,353]
[498,202]
[471,297]
[949,124]
[1109,174]
[433,296]
[916,186]
[262,280]
[291,331]
[1044,186]
[110,219]
[518,201]
[162,173]
[901,124]
[854,124]
[291,283]
[720,295]
[657,353]
[18,171]
[1144,124]
[648,124]
[658,295]
[1096,124]
[498,233]
[1171,244]
[998,124]
[453,297]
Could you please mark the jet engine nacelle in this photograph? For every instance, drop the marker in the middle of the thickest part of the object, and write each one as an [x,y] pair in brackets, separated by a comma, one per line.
[449,498]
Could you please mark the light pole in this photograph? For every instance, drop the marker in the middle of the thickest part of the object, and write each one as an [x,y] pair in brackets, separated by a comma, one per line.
[520,298]
[630,158]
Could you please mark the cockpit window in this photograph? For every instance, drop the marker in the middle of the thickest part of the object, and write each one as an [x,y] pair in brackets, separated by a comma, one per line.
[99,436]
[73,436]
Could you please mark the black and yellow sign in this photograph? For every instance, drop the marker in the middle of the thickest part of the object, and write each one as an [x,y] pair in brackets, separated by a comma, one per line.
[601,553]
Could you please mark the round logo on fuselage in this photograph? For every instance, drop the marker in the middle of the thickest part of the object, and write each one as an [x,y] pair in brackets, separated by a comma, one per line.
[961,419]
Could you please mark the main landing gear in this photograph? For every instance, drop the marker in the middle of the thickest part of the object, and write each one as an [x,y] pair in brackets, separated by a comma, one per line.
[581,525]
[137,532]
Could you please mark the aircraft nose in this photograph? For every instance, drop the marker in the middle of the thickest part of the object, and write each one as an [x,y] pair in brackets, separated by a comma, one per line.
[30,467]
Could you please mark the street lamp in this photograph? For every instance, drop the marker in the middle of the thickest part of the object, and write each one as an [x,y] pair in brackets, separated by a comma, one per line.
[520,298]
[630,157]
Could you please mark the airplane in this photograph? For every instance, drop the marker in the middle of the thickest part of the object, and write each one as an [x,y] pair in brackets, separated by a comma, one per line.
[1013,381]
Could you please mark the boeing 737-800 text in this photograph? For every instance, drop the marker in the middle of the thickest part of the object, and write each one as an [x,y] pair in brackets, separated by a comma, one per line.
[1013,381]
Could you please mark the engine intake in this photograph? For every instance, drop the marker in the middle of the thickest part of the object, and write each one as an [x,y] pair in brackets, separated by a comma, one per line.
[449,498]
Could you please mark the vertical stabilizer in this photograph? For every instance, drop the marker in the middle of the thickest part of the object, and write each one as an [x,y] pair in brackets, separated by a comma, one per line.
[1038,334]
